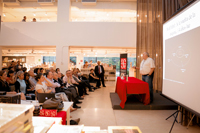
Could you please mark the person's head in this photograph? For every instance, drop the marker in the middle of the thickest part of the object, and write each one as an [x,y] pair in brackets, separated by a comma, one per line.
[68,73]
[49,75]
[98,62]
[51,69]
[12,63]
[145,55]
[39,78]
[91,70]
[57,69]
[26,76]
[55,76]
[5,69]
[31,73]
[20,75]
[24,17]
[18,62]
[10,73]
[34,19]
[3,75]
[59,75]
[11,68]
[24,69]
[36,70]
[90,61]
[41,70]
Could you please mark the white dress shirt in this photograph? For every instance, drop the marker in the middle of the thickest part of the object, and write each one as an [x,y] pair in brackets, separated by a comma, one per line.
[146,65]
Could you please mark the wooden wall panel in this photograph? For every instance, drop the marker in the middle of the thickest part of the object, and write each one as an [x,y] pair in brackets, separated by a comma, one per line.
[149,36]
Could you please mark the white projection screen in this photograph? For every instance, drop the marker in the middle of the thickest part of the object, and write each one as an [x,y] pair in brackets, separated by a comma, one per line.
[181,58]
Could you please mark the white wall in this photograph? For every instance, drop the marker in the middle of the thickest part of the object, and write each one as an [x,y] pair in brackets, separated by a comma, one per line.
[63,34]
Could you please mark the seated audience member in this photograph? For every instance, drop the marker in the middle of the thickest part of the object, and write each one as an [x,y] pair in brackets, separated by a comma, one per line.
[3,84]
[93,78]
[36,71]
[49,76]
[24,69]
[41,86]
[11,79]
[86,65]
[11,68]
[51,69]
[60,76]
[79,80]
[5,69]
[29,88]
[20,85]
[34,20]
[65,90]
[24,19]
[41,70]
[71,82]
[57,70]
[32,79]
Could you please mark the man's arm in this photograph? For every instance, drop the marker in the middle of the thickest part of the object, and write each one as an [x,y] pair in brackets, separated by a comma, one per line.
[136,67]
[152,69]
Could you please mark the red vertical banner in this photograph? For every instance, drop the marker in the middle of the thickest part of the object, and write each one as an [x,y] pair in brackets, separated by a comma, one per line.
[123,63]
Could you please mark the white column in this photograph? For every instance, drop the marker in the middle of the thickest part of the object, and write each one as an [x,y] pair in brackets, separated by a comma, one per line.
[62,58]
[79,61]
[0,58]
[64,11]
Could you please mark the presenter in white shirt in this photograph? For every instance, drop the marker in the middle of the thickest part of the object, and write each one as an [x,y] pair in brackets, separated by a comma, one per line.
[146,68]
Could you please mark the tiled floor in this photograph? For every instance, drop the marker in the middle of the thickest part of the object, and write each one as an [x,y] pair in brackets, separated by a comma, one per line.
[96,110]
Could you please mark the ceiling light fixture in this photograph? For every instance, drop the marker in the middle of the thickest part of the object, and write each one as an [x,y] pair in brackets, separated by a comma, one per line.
[140,20]
[48,20]
[4,14]
[34,14]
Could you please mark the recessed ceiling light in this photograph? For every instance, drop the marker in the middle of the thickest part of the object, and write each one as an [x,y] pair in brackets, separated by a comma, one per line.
[34,14]
[4,14]
[48,20]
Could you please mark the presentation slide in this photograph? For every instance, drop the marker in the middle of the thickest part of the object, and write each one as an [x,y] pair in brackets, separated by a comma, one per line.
[181,57]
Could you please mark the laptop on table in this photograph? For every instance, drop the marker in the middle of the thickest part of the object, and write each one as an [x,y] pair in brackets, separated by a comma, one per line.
[42,97]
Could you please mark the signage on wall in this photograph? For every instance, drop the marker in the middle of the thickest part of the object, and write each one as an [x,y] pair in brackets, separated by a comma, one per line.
[123,63]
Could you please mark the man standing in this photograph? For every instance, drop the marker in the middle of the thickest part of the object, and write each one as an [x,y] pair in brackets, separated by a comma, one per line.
[146,68]
[99,71]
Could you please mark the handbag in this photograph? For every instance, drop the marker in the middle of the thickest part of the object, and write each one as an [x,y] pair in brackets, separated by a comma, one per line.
[53,104]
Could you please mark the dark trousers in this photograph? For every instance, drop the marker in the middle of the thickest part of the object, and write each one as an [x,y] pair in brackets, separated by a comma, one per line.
[149,80]
[87,83]
[81,88]
[68,93]
[101,79]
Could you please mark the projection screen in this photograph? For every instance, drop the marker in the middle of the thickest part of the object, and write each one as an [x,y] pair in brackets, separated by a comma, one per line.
[181,58]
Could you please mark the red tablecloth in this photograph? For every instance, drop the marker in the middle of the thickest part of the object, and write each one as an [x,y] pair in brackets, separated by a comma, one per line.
[61,114]
[132,86]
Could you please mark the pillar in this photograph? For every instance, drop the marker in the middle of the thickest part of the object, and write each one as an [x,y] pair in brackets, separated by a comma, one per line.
[62,58]
[64,11]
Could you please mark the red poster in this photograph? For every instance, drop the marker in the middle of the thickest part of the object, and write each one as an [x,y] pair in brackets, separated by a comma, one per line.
[123,63]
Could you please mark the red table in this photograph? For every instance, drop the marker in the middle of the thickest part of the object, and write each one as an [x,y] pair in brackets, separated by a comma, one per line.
[132,86]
